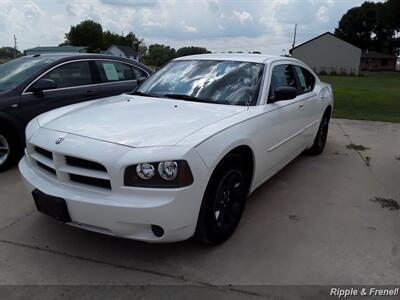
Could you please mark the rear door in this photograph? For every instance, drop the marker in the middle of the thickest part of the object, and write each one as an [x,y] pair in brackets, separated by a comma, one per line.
[74,82]
[117,77]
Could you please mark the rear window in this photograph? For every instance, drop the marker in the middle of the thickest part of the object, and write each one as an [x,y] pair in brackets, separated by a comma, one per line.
[306,79]
[115,71]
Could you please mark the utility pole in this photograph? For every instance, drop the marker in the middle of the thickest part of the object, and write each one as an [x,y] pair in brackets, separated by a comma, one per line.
[15,46]
[294,37]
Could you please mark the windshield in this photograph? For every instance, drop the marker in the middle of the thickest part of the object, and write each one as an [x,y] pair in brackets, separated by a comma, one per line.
[16,70]
[222,82]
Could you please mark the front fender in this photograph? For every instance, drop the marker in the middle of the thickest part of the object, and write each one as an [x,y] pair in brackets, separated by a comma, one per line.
[218,146]
[14,124]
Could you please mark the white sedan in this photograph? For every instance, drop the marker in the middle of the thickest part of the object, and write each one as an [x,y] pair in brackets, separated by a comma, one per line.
[179,156]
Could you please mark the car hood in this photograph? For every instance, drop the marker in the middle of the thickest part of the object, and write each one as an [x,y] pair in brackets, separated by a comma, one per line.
[137,121]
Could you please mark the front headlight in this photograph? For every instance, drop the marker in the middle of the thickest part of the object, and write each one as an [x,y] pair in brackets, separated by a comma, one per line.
[168,170]
[164,174]
[145,171]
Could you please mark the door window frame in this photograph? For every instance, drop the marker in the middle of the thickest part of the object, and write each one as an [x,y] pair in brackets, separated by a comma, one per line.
[268,77]
[298,79]
[95,77]
[131,67]
[272,66]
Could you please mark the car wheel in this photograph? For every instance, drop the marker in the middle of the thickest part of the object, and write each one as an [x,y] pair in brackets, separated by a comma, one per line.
[223,202]
[322,134]
[8,150]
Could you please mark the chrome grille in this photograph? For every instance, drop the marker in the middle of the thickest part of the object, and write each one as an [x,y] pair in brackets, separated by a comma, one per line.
[70,170]
[44,152]
[82,163]
[48,169]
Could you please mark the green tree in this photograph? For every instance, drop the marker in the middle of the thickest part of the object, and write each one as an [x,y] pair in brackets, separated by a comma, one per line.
[184,51]
[9,52]
[87,33]
[393,6]
[157,55]
[111,38]
[133,41]
[372,26]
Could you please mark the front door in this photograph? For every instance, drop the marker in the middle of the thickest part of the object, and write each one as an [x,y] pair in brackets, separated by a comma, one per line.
[74,84]
[283,122]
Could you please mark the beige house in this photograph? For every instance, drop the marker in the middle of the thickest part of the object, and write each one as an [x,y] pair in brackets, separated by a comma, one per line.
[330,54]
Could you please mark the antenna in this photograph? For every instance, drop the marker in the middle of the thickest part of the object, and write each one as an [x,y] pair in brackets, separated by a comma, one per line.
[294,37]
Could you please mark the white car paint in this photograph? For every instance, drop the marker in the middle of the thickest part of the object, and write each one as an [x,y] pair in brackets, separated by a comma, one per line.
[125,130]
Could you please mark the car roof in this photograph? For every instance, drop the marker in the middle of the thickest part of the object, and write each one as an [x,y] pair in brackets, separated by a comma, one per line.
[256,58]
[73,55]
[61,57]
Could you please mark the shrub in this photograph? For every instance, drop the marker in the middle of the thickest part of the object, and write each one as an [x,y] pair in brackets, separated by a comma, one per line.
[333,73]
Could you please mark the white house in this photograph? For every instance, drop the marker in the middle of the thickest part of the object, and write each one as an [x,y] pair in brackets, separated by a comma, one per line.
[123,51]
[330,54]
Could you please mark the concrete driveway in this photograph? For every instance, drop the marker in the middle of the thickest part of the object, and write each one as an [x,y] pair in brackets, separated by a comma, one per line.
[312,224]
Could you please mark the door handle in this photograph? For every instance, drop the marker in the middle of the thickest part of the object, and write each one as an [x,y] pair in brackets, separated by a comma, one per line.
[301,105]
[90,93]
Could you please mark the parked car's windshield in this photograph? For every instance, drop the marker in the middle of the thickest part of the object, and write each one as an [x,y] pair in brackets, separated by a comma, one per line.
[16,70]
[222,82]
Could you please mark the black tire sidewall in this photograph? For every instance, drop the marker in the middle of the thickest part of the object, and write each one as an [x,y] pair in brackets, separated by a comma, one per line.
[209,232]
[316,147]
[13,147]
[325,118]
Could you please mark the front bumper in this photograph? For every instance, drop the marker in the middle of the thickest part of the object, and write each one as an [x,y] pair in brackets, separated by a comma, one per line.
[125,211]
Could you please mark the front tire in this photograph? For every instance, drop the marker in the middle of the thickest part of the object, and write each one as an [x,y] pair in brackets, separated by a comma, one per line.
[8,149]
[322,134]
[223,202]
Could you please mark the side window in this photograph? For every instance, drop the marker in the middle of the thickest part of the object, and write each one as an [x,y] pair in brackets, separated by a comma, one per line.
[282,75]
[114,71]
[71,74]
[139,73]
[306,79]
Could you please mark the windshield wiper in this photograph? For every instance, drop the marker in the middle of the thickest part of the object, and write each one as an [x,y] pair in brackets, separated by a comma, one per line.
[145,94]
[187,98]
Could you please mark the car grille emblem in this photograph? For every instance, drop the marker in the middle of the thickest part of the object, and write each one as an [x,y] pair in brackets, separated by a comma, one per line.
[59,141]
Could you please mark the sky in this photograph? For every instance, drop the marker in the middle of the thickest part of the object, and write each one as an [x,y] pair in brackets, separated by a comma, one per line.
[218,25]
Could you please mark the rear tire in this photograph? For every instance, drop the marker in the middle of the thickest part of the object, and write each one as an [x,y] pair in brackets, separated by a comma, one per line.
[322,134]
[223,202]
[9,149]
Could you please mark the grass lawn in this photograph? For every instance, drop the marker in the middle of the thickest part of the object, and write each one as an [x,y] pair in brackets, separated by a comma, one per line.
[373,97]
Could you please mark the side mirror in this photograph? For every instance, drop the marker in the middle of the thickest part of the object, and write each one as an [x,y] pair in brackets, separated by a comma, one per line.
[285,93]
[42,85]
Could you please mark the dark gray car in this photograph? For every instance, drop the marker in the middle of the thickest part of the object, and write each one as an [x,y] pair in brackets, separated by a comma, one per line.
[31,85]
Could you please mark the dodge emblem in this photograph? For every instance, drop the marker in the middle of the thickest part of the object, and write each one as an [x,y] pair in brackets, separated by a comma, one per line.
[59,141]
